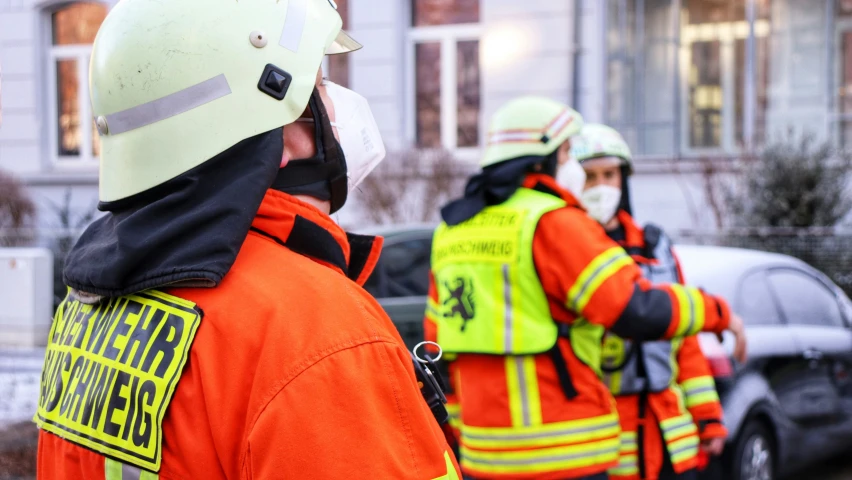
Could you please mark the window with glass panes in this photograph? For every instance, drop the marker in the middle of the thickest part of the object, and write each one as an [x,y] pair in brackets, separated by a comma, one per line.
[690,76]
[74,137]
[444,45]
[844,66]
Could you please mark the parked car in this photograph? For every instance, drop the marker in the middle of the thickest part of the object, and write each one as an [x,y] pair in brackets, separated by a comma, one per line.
[788,406]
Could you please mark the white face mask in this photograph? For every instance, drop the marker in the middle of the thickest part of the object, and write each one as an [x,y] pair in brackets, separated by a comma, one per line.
[572,177]
[357,131]
[602,202]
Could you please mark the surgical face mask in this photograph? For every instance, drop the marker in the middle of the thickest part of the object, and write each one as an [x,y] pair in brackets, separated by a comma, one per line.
[601,202]
[572,177]
[357,131]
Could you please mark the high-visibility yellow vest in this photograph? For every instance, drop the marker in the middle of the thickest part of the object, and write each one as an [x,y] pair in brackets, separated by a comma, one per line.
[490,297]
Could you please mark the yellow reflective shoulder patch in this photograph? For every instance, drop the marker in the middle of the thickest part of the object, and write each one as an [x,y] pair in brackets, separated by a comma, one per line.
[451,469]
[110,371]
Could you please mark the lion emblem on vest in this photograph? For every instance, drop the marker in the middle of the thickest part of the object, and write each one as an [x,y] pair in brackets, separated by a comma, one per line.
[460,301]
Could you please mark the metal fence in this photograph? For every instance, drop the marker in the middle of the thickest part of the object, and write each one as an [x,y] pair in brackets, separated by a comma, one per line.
[826,249]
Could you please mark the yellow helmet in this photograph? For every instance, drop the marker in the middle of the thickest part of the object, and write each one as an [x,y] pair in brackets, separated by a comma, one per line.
[529,126]
[175,83]
[596,141]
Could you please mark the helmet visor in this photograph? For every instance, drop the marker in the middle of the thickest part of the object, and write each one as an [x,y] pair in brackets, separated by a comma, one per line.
[343,44]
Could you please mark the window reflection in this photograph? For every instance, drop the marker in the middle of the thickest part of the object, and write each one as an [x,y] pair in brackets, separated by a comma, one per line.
[468,93]
[77,23]
[68,86]
[428,85]
[444,12]
[73,28]
[705,56]
[705,95]
[716,11]
[845,103]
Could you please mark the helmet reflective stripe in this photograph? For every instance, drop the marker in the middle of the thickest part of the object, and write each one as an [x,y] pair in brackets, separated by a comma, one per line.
[516,136]
[529,126]
[294,24]
[168,106]
[596,141]
[560,122]
[530,135]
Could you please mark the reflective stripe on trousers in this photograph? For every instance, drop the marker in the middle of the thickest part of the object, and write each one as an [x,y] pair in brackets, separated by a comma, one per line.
[115,470]
[552,459]
[628,457]
[681,436]
[573,431]
[540,448]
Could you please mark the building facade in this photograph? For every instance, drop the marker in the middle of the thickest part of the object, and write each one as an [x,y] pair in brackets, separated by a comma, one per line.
[690,83]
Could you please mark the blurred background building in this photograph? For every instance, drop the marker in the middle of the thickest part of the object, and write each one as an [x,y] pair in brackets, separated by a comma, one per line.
[692,84]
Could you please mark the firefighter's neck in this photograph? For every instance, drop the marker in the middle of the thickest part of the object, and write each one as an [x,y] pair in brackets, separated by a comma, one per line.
[613,224]
[322,205]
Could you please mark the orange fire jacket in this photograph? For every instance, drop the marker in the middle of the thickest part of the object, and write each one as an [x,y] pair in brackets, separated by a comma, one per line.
[295,372]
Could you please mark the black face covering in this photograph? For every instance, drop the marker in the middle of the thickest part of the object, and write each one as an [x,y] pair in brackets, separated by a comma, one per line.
[186,231]
[624,204]
[322,176]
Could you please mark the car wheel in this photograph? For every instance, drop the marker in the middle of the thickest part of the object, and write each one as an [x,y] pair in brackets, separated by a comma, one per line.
[754,454]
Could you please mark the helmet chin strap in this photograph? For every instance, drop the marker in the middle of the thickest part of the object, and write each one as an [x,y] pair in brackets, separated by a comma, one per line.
[322,176]
[625,203]
[548,166]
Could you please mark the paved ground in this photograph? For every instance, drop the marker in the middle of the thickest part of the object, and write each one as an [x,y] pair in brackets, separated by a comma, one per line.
[19,379]
[837,469]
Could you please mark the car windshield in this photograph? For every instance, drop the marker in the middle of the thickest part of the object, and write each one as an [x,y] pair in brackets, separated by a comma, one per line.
[736,276]
[703,269]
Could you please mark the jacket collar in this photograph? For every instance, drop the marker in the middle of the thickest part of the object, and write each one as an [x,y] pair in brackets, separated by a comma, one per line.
[634,236]
[311,233]
[547,184]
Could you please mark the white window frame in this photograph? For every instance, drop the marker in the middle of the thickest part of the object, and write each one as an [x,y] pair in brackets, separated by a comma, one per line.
[727,33]
[448,36]
[842,25]
[81,53]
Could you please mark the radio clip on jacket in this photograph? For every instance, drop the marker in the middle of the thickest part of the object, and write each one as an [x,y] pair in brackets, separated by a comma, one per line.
[432,386]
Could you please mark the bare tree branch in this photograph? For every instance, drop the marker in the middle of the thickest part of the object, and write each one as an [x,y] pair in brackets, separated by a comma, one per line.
[17,212]
[411,186]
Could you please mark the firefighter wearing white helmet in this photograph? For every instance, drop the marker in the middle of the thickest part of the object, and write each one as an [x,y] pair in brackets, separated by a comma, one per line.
[214,326]
[524,283]
[674,384]
[599,145]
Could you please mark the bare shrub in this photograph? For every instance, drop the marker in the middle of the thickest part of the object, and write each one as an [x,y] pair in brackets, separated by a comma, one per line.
[17,212]
[412,186]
